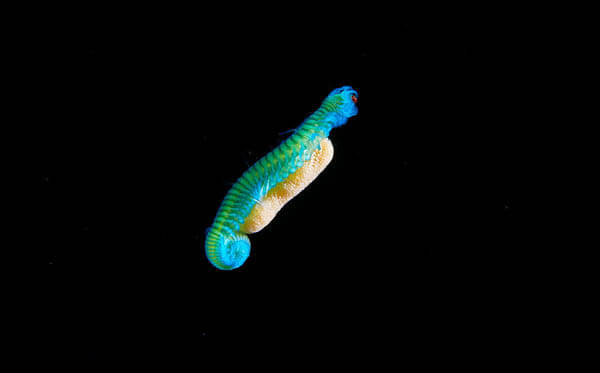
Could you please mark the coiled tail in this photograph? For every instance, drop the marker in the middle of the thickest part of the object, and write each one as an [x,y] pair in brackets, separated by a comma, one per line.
[227,245]
[226,249]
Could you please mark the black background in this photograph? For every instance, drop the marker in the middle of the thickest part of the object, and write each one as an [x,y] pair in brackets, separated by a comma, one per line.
[410,242]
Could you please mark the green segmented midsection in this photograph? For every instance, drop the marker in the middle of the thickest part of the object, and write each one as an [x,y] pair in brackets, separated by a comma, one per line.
[264,175]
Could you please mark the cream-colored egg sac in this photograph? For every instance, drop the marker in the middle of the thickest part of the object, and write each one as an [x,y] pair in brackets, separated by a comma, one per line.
[268,207]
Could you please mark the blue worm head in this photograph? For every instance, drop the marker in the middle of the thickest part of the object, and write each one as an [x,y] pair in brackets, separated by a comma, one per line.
[344,99]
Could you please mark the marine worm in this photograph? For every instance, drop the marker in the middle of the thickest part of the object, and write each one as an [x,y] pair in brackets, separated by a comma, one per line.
[261,191]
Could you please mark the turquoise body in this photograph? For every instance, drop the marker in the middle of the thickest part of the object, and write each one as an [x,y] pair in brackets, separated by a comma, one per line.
[226,246]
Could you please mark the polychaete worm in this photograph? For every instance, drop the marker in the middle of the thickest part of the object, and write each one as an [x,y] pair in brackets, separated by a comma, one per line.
[261,191]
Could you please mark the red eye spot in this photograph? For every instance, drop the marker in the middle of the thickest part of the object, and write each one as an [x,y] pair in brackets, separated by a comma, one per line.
[354,99]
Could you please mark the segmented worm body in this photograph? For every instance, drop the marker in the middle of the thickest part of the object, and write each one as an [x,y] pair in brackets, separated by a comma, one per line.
[261,191]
